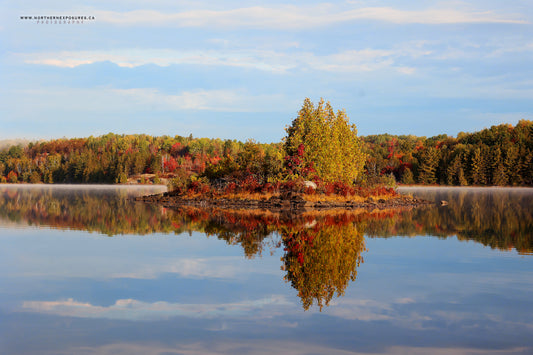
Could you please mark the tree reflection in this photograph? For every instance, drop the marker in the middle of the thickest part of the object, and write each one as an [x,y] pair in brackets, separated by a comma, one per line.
[499,218]
[321,249]
[496,217]
[320,261]
[106,211]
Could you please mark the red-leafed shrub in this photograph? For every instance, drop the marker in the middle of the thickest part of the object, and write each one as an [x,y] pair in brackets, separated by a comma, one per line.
[231,188]
[12,177]
[199,187]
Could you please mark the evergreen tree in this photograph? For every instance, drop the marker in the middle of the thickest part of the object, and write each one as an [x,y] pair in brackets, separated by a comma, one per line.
[477,167]
[407,177]
[429,161]
[499,176]
[512,165]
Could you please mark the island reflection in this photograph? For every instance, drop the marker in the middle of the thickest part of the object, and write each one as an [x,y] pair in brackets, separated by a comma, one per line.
[321,249]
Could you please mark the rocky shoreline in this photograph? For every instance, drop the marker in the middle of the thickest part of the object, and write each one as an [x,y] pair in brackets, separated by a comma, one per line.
[283,202]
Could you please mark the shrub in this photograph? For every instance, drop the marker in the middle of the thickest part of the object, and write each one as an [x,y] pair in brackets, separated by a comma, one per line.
[12,177]
[180,182]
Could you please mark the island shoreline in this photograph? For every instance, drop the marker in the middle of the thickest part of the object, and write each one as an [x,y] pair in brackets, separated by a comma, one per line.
[281,202]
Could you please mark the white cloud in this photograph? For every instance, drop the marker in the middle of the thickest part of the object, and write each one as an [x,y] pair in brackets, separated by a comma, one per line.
[405,70]
[213,268]
[201,100]
[130,309]
[223,267]
[150,99]
[263,60]
[299,17]
[363,60]
[372,310]
[353,60]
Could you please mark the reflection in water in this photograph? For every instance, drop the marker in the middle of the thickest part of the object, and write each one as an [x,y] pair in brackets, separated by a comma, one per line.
[103,209]
[320,261]
[501,218]
[322,250]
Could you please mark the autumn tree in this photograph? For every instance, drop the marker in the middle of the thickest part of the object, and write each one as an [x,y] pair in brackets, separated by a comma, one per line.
[320,262]
[326,142]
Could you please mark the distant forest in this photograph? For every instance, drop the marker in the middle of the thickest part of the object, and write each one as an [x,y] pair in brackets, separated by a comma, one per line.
[501,155]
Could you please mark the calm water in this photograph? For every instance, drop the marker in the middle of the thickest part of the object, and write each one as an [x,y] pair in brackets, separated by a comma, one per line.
[84,270]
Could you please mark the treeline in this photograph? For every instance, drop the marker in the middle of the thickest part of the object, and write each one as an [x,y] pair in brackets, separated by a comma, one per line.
[114,158]
[501,155]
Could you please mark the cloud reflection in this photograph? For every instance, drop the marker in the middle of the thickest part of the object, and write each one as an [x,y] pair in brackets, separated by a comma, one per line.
[130,309]
[203,268]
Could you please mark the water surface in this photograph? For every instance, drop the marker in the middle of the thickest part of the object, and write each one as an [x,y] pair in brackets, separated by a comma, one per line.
[85,270]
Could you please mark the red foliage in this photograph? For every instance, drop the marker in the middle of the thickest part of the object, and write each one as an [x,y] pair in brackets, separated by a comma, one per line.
[392,144]
[12,176]
[251,184]
[339,188]
[230,188]
[170,164]
[176,225]
[214,160]
[175,149]
[295,163]
[199,187]
[310,190]
[301,149]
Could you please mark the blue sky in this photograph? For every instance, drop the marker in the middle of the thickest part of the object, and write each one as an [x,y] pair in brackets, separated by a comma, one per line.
[241,69]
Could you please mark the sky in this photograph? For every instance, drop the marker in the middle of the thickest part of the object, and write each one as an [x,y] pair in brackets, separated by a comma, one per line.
[242,69]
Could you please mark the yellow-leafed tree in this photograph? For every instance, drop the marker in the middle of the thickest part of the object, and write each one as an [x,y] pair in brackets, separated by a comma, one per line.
[326,142]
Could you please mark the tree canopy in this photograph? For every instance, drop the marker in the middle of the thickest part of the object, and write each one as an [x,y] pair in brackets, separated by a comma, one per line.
[324,144]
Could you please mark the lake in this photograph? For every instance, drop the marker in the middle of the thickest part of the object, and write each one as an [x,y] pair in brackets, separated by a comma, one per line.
[86,270]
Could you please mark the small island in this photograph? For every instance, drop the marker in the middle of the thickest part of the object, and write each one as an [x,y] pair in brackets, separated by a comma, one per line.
[322,168]
[289,200]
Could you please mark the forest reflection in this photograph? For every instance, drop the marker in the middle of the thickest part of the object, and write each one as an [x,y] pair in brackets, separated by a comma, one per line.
[107,211]
[321,249]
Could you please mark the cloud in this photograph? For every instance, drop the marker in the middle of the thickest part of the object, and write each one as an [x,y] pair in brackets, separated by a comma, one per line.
[212,268]
[363,60]
[150,99]
[225,268]
[130,309]
[289,17]
[203,100]
[130,58]
[372,310]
